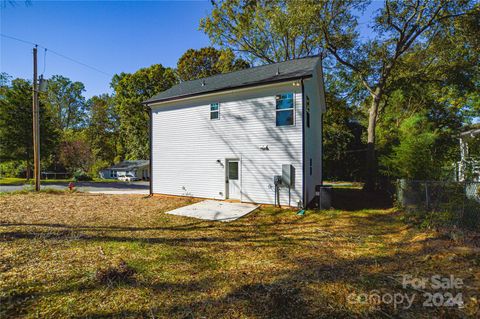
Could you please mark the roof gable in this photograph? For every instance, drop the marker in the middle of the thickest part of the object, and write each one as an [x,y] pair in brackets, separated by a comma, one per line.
[276,72]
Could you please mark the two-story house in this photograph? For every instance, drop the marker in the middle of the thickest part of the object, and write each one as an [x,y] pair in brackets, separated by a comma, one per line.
[227,136]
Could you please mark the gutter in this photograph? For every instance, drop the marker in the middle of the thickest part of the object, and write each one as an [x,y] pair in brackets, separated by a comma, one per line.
[180,97]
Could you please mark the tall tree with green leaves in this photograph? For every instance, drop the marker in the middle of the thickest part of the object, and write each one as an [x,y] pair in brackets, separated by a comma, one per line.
[266,31]
[272,31]
[439,82]
[131,89]
[16,132]
[195,64]
[102,131]
[400,26]
[65,100]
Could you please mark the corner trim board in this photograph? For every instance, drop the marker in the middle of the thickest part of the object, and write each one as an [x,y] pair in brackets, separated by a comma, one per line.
[151,153]
[304,198]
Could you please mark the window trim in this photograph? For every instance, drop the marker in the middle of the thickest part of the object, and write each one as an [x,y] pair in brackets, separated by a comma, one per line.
[215,111]
[292,109]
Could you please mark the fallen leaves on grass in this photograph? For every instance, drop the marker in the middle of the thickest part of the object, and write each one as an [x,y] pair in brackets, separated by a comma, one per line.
[82,255]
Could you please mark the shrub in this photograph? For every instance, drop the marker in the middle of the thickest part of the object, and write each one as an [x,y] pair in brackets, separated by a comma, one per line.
[414,157]
[12,168]
[81,176]
[75,155]
[97,167]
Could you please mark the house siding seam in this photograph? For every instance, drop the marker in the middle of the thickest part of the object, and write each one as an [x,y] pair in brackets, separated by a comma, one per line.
[186,145]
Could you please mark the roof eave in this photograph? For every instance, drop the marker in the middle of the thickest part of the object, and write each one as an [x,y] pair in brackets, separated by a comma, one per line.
[179,97]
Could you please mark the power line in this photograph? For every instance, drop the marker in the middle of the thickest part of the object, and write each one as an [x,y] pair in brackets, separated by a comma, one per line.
[59,54]
[13,38]
[81,63]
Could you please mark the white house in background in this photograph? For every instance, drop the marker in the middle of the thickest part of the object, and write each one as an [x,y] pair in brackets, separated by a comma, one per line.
[469,165]
[228,136]
[139,168]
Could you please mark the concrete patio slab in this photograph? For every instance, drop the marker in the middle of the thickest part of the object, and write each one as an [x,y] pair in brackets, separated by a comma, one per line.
[120,192]
[215,210]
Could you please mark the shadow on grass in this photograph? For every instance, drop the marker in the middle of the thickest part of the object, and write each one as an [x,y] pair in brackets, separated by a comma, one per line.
[352,199]
[296,291]
[292,294]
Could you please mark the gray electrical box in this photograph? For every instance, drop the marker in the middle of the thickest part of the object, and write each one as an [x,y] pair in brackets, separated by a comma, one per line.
[288,175]
[277,180]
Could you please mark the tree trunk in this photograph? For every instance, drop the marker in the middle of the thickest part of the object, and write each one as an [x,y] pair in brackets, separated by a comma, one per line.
[371,160]
[27,173]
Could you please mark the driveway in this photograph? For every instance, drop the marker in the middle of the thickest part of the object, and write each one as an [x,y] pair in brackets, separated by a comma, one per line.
[141,187]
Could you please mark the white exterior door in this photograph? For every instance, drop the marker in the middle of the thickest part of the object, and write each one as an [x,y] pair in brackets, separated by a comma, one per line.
[233,179]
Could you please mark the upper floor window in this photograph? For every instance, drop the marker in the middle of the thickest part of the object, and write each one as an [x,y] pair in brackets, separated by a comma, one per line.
[214,111]
[285,107]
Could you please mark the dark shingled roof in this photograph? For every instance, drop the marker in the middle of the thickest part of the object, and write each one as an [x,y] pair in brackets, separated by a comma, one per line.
[276,72]
[128,165]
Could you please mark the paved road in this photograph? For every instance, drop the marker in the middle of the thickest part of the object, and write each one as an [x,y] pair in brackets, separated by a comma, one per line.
[101,188]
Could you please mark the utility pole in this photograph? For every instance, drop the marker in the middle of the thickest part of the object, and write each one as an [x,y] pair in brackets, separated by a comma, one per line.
[36,124]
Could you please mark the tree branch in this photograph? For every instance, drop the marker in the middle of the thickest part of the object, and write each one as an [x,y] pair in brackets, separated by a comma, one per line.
[352,67]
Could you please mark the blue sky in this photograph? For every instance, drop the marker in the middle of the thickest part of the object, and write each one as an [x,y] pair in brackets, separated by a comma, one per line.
[111,36]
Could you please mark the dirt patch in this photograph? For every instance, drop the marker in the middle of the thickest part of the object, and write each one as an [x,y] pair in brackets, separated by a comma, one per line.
[116,272]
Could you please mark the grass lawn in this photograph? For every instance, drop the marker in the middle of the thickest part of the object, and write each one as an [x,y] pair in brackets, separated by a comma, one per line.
[344,184]
[22,181]
[95,256]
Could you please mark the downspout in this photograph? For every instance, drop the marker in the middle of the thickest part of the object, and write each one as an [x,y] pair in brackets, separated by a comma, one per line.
[151,153]
[321,144]
[321,120]
[304,205]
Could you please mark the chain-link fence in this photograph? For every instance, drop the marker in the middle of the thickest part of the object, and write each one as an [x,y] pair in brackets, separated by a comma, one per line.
[441,203]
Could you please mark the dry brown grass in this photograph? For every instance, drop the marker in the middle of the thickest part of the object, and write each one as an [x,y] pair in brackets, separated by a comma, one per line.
[270,264]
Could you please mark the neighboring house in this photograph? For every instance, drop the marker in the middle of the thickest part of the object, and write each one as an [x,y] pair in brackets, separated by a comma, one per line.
[139,168]
[227,136]
[469,165]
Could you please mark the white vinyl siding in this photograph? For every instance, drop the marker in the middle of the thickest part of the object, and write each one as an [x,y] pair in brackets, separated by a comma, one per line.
[186,145]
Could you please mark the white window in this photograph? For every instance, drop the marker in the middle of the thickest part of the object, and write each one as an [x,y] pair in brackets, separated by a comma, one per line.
[285,109]
[215,111]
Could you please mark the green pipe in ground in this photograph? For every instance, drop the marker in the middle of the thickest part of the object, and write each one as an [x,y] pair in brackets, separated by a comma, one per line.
[301,212]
